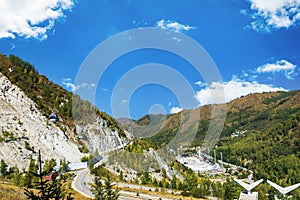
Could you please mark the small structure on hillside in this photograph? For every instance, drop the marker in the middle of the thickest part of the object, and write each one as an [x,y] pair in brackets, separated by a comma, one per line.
[51,176]
[83,165]
[53,117]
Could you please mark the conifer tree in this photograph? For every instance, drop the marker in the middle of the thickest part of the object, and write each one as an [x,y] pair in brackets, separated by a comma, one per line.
[104,191]
[47,189]
[3,168]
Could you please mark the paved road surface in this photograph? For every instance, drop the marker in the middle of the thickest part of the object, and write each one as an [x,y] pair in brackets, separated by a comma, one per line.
[81,183]
[83,179]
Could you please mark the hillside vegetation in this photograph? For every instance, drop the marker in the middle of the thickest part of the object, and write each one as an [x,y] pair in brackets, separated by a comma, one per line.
[271,146]
[261,132]
[49,96]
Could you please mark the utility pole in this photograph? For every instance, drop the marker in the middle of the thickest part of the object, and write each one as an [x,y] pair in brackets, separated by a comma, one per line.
[40,174]
[221,158]
[215,158]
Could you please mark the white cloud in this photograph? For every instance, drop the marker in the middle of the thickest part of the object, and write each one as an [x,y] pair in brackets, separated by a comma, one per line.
[244,12]
[177,39]
[227,91]
[13,46]
[280,66]
[200,84]
[30,18]
[274,14]
[171,25]
[124,102]
[174,110]
[67,82]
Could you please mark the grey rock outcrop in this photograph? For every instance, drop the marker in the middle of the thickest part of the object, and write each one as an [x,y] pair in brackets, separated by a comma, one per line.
[24,130]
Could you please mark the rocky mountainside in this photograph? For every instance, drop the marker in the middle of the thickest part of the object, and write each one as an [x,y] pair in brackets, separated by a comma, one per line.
[25,130]
[25,127]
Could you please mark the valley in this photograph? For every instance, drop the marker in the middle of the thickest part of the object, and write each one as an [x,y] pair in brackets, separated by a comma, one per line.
[149,157]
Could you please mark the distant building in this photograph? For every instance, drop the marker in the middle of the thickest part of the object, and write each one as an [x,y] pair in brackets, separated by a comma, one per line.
[77,166]
[83,165]
[95,160]
[51,176]
[251,196]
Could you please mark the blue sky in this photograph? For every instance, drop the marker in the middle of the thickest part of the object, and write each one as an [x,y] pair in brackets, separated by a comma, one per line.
[254,44]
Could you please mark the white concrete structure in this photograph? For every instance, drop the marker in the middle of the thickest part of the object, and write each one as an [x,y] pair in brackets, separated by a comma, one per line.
[77,166]
[248,187]
[200,165]
[285,190]
[250,195]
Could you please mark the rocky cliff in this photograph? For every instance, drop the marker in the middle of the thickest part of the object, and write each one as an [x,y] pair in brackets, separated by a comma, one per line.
[24,130]
[98,137]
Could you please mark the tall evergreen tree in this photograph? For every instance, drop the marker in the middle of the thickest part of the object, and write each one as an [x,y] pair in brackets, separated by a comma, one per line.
[3,168]
[98,189]
[28,179]
[17,177]
[48,190]
[104,191]
[110,193]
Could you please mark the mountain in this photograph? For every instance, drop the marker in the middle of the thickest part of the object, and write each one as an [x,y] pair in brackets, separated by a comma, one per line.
[26,101]
[261,132]
[268,142]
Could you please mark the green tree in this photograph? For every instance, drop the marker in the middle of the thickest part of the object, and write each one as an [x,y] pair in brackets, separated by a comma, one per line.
[48,190]
[218,190]
[91,165]
[98,189]
[231,190]
[121,177]
[49,165]
[191,183]
[104,191]
[110,193]
[174,182]
[160,184]
[26,145]
[145,178]
[63,165]
[29,178]
[17,177]
[3,168]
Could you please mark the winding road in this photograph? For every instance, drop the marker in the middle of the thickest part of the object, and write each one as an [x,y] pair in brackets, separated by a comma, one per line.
[81,183]
[83,179]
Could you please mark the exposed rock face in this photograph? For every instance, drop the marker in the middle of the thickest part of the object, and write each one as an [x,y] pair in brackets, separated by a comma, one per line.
[20,118]
[21,122]
[98,137]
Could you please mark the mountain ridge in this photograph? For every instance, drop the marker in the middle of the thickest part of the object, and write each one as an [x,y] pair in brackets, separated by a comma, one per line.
[261,132]
[257,102]
[28,98]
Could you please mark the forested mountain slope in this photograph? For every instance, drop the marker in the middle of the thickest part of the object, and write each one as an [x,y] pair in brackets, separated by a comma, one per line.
[260,132]
[271,145]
